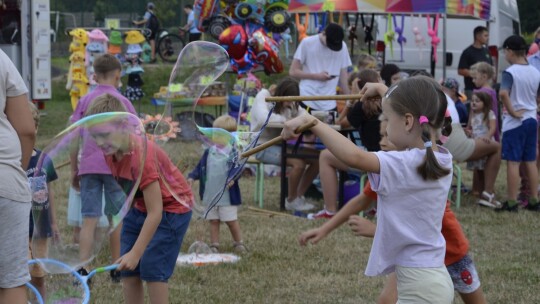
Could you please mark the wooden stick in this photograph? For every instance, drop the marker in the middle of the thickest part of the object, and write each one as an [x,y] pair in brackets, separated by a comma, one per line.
[278,139]
[62,165]
[269,212]
[311,98]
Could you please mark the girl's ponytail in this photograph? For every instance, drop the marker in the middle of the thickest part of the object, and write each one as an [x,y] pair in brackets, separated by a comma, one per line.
[423,97]
[430,168]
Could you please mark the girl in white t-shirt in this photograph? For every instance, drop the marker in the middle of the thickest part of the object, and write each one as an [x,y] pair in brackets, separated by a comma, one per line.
[482,124]
[412,186]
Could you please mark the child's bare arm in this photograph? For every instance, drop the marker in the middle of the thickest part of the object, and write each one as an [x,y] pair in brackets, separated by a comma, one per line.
[154,207]
[344,149]
[361,226]
[355,205]
[492,128]
[504,95]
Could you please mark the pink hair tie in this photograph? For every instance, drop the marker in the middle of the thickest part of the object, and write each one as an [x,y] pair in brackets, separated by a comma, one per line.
[447,114]
[443,139]
[423,120]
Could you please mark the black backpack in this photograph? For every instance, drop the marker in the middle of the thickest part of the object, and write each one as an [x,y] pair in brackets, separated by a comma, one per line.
[153,23]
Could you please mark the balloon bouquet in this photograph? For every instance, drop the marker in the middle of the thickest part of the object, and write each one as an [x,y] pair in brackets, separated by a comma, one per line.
[249,31]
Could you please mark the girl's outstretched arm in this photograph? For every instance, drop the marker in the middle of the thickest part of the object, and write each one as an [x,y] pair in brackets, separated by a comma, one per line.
[344,149]
[356,204]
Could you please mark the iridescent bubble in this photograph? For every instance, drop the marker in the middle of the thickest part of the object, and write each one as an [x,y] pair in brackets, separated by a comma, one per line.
[200,64]
[107,147]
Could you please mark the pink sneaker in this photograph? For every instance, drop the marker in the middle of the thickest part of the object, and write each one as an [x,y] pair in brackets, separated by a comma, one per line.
[323,214]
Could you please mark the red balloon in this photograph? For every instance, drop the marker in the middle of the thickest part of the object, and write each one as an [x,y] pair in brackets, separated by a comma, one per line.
[234,40]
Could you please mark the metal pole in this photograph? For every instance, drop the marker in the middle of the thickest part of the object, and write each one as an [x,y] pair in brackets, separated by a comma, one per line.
[444,47]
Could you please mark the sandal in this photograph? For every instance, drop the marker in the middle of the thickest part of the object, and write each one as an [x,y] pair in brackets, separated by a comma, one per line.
[214,248]
[239,247]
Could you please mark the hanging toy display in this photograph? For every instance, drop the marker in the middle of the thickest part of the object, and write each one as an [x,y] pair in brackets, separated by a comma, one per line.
[368,30]
[319,26]
[352,31]
[419,40]
[340,18]
[77,82]
[399,31]
[433,33]
[389,36]
[302,28]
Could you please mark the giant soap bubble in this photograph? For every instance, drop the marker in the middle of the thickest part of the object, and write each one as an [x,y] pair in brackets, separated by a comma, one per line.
[105,155]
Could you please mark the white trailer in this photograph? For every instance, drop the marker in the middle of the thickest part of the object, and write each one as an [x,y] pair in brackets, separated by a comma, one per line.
[26,39]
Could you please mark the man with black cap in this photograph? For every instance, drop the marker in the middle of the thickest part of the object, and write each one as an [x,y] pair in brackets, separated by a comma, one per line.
[321,62]
[520,95]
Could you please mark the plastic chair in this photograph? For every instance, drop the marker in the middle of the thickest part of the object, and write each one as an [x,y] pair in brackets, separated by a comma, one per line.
[259,180]
[457,175]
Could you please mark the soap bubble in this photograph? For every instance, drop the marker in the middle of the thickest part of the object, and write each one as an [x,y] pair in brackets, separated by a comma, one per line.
[104,154]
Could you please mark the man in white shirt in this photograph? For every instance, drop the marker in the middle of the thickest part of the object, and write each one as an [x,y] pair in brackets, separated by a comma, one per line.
[191,26]
[321,63]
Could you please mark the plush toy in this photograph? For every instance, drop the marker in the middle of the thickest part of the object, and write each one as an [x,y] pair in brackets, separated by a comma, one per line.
[302,28]
[433,33]
[399,30]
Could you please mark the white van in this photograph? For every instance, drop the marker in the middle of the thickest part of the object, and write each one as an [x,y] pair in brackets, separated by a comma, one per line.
[504,21]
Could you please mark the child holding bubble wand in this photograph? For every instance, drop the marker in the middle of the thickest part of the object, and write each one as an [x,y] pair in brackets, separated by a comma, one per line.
[459,264]
[155,226]
[91,176]
[212,172]
[412,186]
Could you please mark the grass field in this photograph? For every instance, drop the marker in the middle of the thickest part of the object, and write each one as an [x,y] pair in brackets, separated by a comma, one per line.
[505,247]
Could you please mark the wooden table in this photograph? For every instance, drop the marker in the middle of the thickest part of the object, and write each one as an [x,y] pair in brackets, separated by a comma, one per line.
[212,101]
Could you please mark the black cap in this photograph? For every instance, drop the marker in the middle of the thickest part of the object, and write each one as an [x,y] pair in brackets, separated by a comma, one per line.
[515,43]
[334,37]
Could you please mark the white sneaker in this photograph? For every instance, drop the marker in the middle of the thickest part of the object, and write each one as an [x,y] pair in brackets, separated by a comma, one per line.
[488,200]
[297,204]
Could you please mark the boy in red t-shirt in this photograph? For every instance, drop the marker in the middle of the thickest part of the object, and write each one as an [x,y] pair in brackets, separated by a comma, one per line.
[153,229]
[460,266]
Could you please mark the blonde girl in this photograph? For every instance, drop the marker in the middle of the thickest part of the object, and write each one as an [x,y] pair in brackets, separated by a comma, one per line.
[482,124]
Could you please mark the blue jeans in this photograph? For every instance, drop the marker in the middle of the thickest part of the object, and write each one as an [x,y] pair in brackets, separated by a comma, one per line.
[159,258]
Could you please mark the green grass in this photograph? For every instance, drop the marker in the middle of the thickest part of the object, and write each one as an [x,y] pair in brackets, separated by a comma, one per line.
[505,247]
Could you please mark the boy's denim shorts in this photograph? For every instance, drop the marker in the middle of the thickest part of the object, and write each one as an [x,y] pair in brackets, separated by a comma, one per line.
[93,186]
[159,258]
[519,144]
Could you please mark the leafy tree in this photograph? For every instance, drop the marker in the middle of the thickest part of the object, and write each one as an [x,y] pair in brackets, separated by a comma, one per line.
[528,13]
